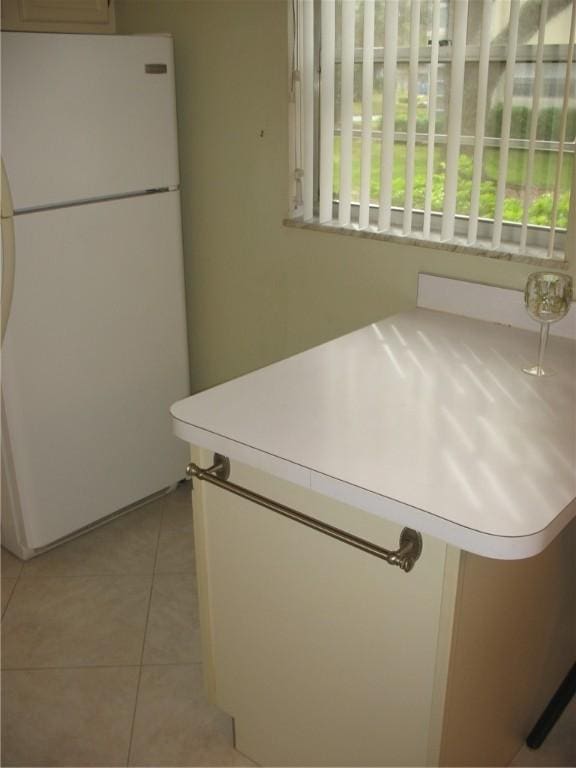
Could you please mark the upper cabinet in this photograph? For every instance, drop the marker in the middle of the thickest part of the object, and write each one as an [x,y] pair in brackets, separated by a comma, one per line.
[96,16]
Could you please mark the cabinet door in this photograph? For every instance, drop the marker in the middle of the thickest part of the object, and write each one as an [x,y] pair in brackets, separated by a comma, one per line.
[323,655]
[58,16]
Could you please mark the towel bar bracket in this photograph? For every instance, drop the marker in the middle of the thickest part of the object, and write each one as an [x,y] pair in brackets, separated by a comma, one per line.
[405,557]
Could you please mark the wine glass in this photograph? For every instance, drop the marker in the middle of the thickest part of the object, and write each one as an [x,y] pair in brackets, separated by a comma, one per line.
[547,297]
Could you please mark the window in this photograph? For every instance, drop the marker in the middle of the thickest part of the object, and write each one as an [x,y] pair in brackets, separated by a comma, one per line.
[446,120]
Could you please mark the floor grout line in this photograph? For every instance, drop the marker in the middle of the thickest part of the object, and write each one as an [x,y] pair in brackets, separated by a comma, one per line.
[17,577]
[136,697]
[80,667]
[76,667]
[30,578]
[11,595]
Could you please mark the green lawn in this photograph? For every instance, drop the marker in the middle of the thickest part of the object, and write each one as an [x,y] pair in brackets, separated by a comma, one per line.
[544,171]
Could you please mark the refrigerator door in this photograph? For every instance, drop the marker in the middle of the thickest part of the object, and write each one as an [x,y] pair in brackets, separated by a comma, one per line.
[94,355]
[87,116]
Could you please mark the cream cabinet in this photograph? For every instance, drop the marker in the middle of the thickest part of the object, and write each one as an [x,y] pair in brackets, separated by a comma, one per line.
[91,16]
[325,655]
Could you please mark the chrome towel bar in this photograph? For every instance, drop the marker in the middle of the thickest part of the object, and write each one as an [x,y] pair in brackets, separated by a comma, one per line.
[408,552]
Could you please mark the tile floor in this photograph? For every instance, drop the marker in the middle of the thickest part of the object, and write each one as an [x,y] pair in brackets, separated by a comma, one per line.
[101,656]
[101,650]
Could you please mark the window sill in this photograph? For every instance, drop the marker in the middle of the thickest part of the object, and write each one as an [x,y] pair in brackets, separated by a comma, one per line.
[454,247]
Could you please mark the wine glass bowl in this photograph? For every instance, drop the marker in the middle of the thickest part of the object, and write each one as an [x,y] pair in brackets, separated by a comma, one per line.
[547,297]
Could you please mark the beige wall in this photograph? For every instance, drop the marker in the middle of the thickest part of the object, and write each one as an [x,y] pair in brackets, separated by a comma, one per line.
[258,291]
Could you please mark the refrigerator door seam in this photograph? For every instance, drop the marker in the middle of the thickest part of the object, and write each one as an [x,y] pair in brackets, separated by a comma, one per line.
[91,200]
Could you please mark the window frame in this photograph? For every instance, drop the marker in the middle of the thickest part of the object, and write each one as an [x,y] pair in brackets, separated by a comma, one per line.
[538,234]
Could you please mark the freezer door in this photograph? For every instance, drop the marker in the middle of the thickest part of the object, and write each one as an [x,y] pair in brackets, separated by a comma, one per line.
[87,116]
[94,355]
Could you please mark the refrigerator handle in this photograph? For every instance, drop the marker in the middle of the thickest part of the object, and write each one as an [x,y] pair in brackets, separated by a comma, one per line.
[8,251]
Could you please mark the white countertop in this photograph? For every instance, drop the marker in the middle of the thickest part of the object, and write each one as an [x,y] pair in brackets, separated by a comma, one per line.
[424,418]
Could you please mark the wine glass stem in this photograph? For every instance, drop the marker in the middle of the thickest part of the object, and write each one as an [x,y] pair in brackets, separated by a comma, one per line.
[544,329]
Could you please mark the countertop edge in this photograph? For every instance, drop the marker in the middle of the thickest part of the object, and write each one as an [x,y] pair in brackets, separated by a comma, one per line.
[470,540]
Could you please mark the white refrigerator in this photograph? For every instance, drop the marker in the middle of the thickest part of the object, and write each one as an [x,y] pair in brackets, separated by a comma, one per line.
[95,347]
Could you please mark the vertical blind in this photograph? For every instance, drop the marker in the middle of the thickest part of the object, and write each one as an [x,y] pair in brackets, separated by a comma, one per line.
[452,120]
